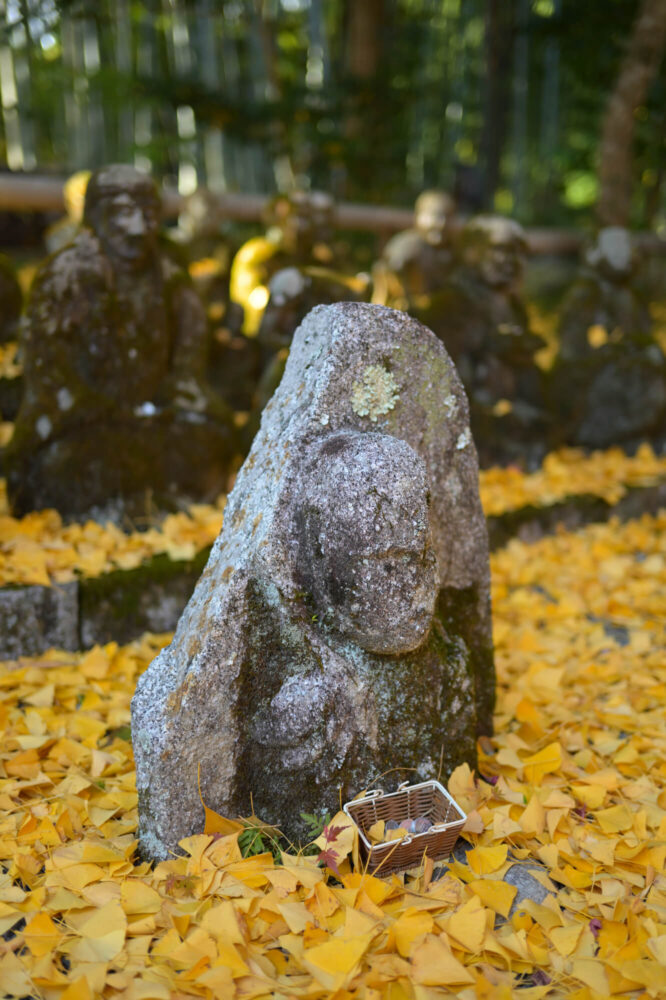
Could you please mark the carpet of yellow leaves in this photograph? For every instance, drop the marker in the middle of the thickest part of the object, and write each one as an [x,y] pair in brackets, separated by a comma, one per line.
[569,472]
[40,549]
[575,783]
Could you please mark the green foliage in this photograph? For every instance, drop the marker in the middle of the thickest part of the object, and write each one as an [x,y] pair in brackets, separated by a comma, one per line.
[315,824]
[260,839]
[274,91]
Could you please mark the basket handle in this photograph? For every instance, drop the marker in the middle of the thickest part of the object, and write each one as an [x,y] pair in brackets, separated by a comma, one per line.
[402,786]
[373,793]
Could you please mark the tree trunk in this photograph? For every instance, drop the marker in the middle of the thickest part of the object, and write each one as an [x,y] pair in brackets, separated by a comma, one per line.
[498,50]
[365,22]
[364,26]
[638,69]
[520,110]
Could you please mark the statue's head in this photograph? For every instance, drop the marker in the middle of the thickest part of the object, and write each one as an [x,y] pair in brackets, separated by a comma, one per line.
[433,212]
[612,254]
[303,218]
[122,206]
[495,247]
[365,551]
[202,216]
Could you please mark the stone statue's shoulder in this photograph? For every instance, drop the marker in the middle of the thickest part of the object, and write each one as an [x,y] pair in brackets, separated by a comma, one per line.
[66,272]
[463,289]
[402,248]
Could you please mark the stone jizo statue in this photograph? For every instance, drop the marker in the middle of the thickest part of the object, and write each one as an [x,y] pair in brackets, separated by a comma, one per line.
[609,377]
[364,542]
[417,262]
[481,319]
[294,291]
[115,401]
[604,304]
[341,628]
[298,234]
[486,315]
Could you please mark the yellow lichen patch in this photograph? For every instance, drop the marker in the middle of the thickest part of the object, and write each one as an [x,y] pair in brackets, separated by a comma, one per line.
[375,393]
[573,788]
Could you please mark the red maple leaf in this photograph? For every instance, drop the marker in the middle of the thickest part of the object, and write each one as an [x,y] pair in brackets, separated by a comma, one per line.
[330,833]
[329,858]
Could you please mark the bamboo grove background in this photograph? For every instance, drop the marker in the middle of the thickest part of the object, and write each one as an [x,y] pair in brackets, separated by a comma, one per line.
[499,100]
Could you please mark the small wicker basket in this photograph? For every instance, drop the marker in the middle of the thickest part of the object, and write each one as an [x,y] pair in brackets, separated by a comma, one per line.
[428,799]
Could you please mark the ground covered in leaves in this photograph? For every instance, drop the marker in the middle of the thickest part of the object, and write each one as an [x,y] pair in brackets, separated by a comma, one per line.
[40,549]
[572,786]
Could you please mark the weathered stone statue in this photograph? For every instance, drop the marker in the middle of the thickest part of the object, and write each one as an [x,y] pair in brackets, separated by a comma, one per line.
[603,304]
[11,301]
[609,378]
[298,234]
[200,226]
[418,261]
[115,401]
[341,628]
[294,292]
[480,317]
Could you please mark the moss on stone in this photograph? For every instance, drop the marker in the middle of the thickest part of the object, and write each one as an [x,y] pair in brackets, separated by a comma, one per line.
[123,604]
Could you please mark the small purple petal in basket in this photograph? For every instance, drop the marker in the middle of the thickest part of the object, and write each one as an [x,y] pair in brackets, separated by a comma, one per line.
[421,824]
[393,824]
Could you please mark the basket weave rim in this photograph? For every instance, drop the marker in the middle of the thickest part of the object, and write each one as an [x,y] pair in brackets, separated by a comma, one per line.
[375,794]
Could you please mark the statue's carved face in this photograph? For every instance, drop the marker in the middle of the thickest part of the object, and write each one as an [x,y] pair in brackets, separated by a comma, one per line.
[501,265]
[613,254]
[127,224]
[384,596]
[367,555]
[432,214]
[495,247]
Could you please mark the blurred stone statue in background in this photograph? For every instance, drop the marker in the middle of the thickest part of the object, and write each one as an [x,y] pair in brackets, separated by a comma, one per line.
[609,377]
[604,304]
[206,248]
[416,263]
[115,401]
[299,233]
[293,293]
[481,318]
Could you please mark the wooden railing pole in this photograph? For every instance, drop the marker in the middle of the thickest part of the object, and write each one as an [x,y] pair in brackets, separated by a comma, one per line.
[44,194]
